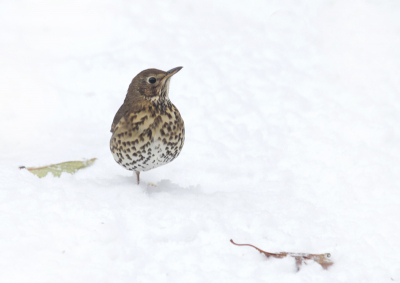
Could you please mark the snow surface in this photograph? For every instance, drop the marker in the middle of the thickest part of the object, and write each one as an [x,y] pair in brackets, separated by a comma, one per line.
[292,114]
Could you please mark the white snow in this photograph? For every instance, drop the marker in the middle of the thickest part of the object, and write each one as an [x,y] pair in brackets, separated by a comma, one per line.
[292,114]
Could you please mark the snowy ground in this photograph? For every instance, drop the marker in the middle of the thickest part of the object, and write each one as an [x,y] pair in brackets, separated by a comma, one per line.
[292,114]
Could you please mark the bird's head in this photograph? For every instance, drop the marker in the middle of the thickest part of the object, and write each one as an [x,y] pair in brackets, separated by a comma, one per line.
[151,85]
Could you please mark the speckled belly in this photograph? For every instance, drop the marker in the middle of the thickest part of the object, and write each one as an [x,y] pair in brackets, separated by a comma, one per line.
[145,143]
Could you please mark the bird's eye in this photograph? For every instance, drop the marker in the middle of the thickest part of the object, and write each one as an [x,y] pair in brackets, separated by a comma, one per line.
[152,80]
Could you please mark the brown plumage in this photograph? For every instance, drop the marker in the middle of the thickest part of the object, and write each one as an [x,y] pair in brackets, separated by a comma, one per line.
[148,130]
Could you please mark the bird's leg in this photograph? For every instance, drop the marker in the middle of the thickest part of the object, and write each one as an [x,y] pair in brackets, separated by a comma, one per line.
[137,176]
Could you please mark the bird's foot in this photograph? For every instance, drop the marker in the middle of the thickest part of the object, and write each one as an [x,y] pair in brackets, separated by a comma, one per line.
[137,177]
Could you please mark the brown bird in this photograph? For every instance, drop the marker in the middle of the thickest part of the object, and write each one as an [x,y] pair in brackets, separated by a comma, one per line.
[148,130]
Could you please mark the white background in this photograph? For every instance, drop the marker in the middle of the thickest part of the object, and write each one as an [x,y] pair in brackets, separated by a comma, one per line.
[292,114]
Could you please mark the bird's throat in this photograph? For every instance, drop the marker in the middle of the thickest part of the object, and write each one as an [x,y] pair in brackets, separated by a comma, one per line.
[161,98]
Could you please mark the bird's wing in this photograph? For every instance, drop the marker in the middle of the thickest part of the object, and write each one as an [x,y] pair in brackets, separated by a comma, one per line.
[127,108]
[120,114]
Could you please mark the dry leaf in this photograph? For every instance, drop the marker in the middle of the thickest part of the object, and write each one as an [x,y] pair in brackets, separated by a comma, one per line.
[69,167]
[322,259]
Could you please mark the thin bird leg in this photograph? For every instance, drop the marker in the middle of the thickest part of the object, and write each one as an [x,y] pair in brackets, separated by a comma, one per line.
[137,176]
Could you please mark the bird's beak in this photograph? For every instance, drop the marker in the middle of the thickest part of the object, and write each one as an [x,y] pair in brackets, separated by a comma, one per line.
[172,72]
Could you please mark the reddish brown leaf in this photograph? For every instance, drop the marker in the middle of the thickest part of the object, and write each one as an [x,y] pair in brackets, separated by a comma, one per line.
[322,259]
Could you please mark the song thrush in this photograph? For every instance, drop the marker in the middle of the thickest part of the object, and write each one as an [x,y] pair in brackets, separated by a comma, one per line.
[148,130]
